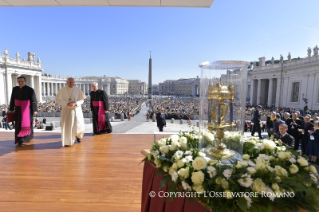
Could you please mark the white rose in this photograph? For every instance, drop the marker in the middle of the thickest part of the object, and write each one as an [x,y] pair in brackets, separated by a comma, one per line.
[198,188]
[271,158]
[313,177]
[229,194]
[174,166]
[164,149]
[180,163]
[246,157]
[261,166]
[174,138]
[183,173]
[282,155]
[162,142]
[241,164]
[278,179]
[279,171]
[313,169]
[251,170]
[293,169]
[199,163]
[302,161]
[182,139]
[198,177]
[172,147]
[218,180]
[212,162]
[157,163]
[258,186]
[171,170]
[224,183]
[269,144]
[165,168]
[275,186]
[201,154]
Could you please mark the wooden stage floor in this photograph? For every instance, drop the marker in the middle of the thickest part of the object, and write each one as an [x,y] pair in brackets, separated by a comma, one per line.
[103,173]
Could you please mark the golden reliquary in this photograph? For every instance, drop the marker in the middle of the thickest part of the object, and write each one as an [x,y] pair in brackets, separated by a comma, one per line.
[220,104]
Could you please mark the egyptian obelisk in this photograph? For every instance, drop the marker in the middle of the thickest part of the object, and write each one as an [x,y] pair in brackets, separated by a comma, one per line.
[150,77]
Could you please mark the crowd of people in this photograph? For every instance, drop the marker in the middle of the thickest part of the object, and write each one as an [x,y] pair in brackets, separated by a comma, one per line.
[291,128]
[174,108]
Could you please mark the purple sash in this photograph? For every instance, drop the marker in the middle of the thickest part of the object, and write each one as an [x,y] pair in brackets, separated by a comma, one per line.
[100,116]
[25,117]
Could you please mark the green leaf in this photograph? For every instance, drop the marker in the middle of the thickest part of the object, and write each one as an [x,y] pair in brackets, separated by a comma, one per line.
[166,179]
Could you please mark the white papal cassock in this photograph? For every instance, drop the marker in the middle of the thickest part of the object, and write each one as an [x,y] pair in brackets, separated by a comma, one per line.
[72,121]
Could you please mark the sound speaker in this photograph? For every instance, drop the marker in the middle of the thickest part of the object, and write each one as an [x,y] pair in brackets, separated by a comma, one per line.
[49,128]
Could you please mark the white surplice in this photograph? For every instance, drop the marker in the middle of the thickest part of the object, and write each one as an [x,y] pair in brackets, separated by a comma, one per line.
[72,121]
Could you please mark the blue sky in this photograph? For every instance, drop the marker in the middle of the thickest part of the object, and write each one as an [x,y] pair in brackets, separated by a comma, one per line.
[115,41]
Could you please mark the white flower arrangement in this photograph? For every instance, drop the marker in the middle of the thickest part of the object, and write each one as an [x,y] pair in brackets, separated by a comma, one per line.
[265,168]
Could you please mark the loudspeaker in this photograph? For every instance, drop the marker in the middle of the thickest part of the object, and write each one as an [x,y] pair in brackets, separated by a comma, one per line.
[49,128]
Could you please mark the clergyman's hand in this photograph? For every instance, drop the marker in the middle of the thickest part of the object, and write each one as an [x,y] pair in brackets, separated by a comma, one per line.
[35,113]
[105,111]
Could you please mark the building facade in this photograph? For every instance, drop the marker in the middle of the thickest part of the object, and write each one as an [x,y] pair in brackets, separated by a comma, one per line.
[137,87]
[187,87]
[47,86]
[289,83]
[11,68]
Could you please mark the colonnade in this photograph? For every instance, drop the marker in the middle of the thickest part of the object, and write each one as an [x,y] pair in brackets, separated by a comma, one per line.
[52,88]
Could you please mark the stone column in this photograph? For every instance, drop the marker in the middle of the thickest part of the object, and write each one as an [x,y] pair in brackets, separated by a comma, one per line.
[2,90]
[31,81]
[43,88]
[48,89]
[39,83]
[252,88]
[9,87]
[285,98]
[310,90]
[52,90]
[259,92]
[270,94]
[14,80]
[277,103]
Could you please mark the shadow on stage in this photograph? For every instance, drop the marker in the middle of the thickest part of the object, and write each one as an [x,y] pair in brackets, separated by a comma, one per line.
[39,142]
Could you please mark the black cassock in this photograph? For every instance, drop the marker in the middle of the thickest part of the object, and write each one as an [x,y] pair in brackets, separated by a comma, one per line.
[100,103]
[23,114]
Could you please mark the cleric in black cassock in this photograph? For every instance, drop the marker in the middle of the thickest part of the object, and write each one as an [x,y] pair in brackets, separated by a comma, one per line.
[24,104]
[99,108]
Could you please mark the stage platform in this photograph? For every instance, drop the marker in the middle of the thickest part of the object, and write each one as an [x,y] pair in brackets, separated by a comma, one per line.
[102,173]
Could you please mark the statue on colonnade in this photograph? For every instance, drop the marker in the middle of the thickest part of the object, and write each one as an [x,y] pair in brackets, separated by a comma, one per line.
[289,57]
[315,51]
[6,53]
[309,52]
[31,56]
[18,56]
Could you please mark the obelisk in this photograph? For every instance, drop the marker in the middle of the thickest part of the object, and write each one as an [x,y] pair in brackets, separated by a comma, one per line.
[150,77]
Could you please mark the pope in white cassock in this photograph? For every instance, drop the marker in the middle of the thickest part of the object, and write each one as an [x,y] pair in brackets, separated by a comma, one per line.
[72,122]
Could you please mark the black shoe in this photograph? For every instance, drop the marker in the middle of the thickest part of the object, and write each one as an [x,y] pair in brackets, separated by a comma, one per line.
[66,145]
[78,140]
[20,143]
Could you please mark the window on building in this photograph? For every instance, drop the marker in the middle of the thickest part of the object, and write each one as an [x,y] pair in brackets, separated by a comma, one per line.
[295,92]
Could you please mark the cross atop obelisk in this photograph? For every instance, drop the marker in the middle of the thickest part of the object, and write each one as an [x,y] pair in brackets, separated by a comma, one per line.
[150,77]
